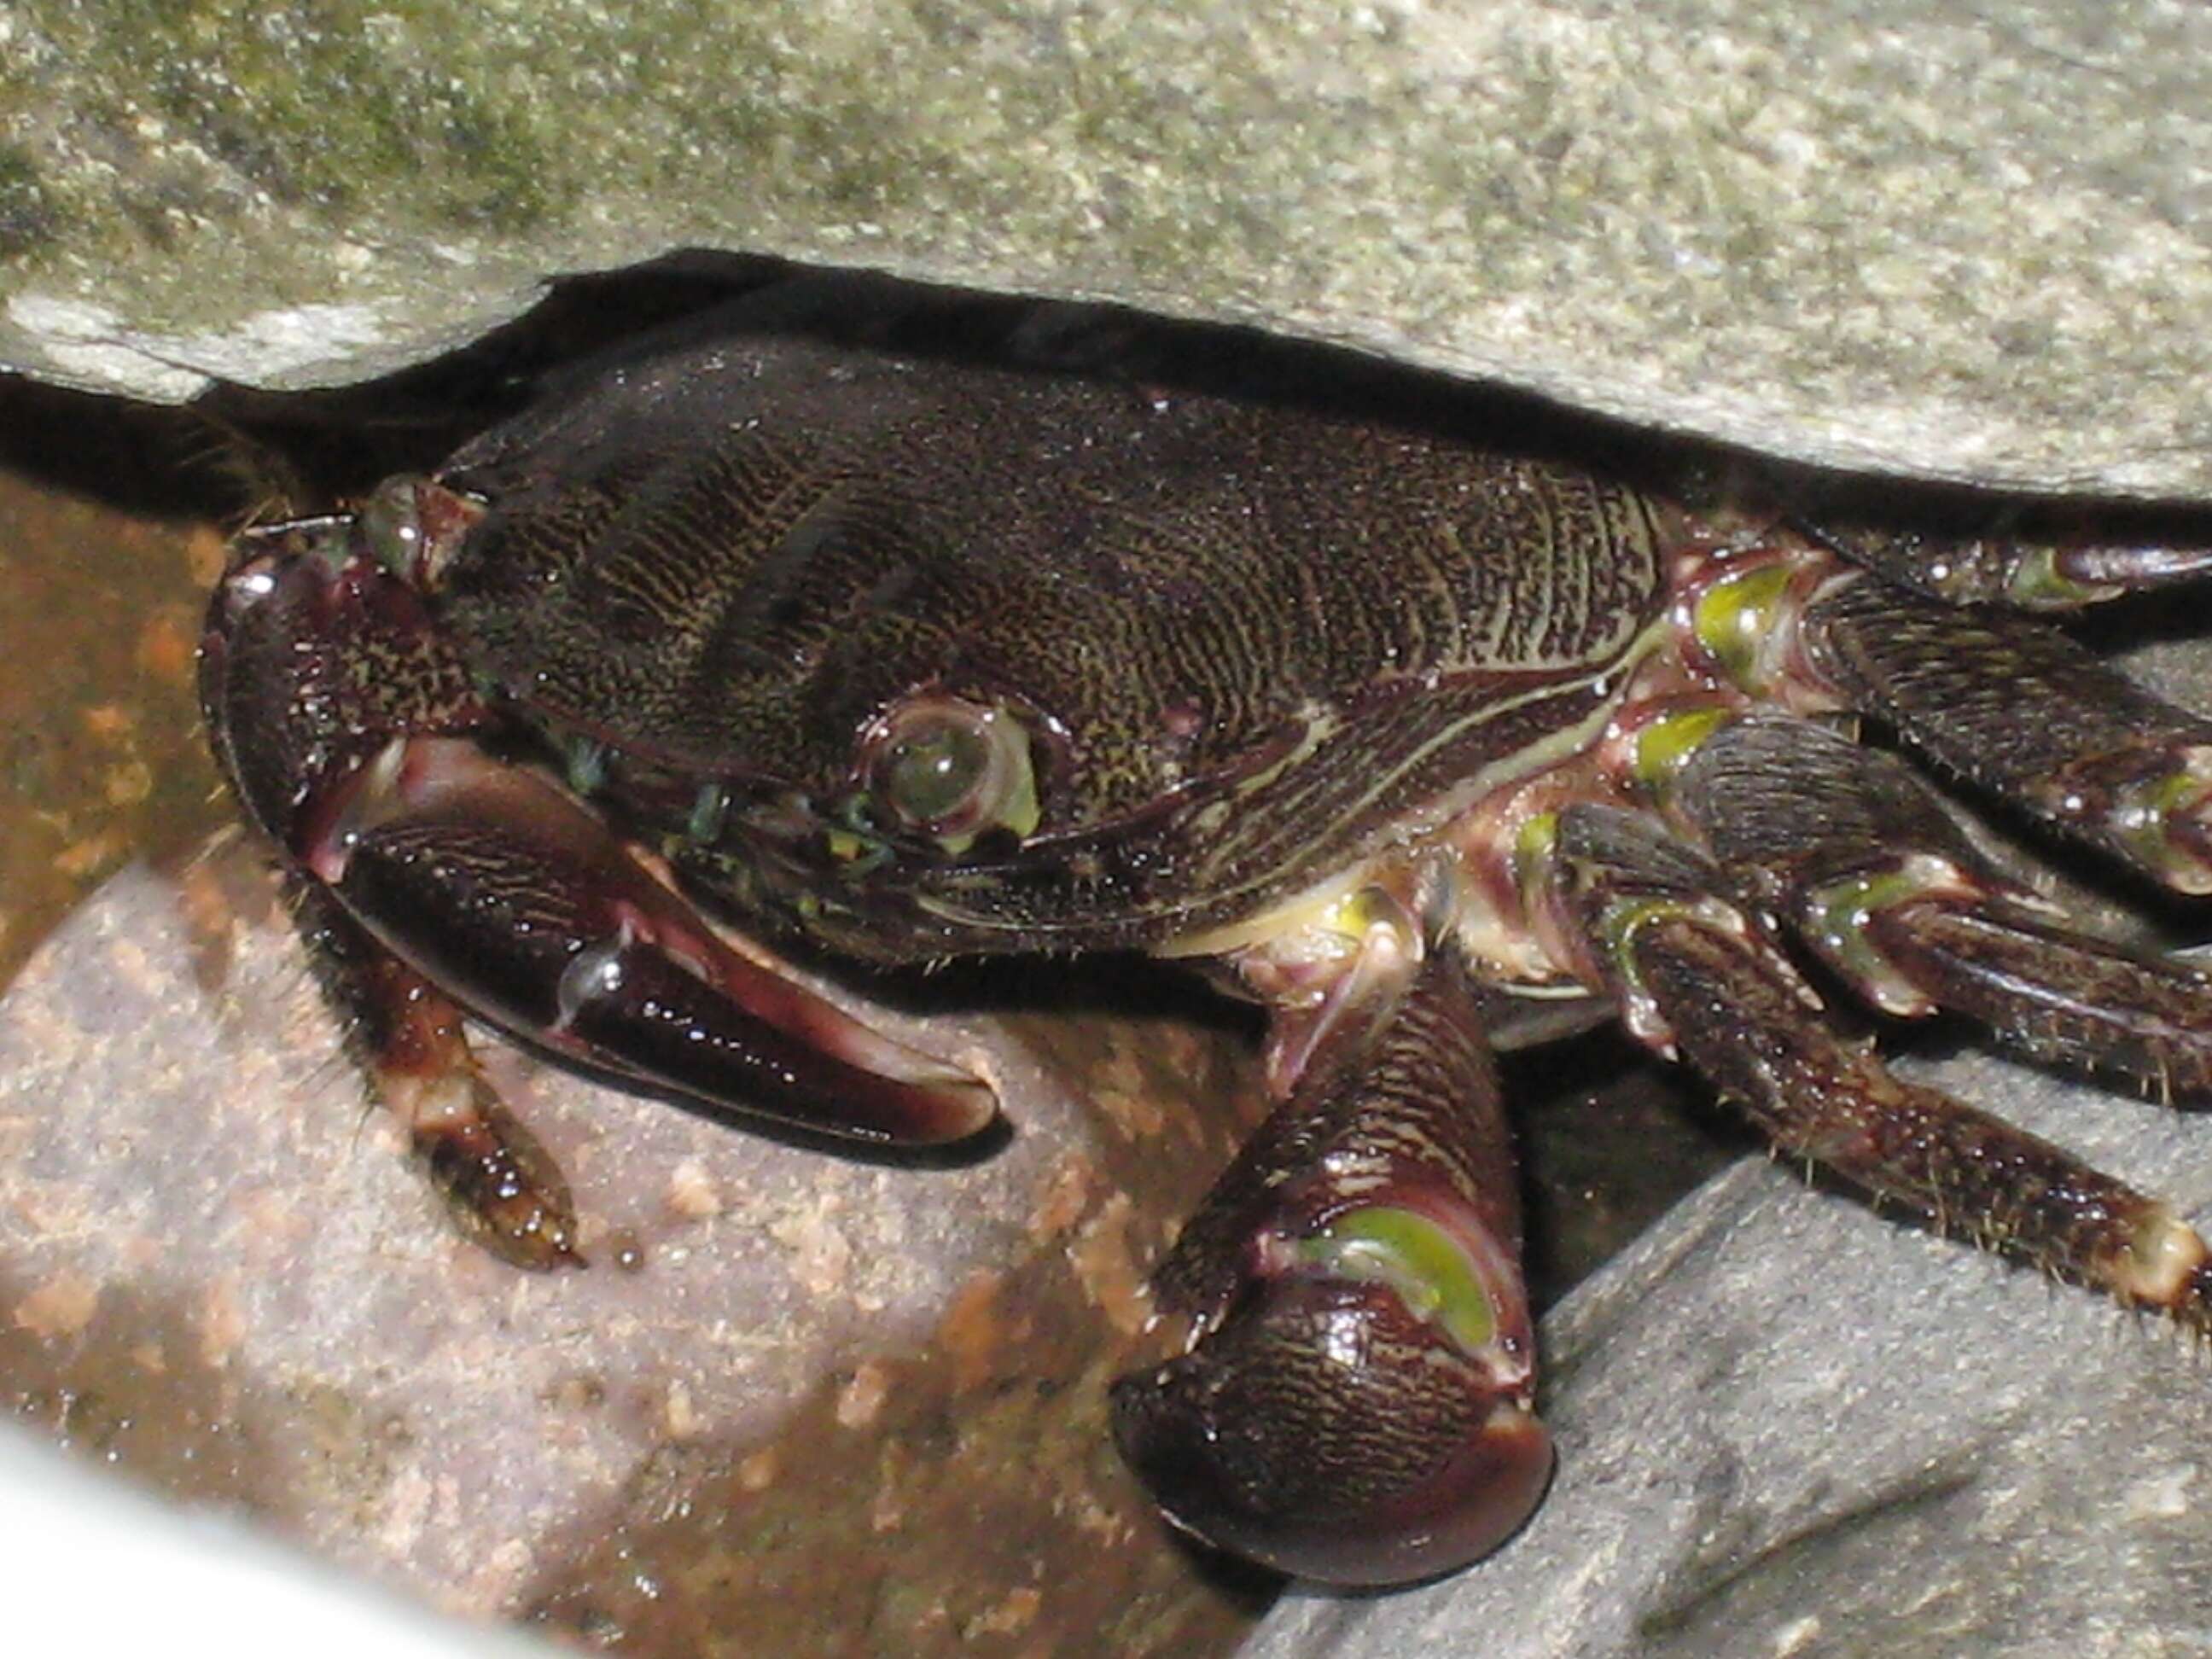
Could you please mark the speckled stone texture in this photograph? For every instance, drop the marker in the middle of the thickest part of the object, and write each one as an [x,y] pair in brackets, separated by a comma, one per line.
[1938,238]
[798,1404]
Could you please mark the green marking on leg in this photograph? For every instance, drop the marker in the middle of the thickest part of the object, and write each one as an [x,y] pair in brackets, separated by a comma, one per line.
[1734,615]
[1382,1244]
[1664,746]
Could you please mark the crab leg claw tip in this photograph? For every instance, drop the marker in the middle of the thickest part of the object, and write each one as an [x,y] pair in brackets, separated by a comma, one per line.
[2127,569]
[752,1040]
[500,1186]
[2175,807]
[1338,1428]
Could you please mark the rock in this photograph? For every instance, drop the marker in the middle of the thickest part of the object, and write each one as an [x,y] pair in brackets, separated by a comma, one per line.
[1914,237]
[830,1405]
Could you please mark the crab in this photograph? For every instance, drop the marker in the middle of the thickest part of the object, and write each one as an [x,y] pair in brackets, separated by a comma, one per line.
[1430,745]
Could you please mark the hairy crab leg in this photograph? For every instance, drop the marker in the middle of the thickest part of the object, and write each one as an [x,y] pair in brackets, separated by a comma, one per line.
[1355,1406]
[1694,973]
[2102,759]
[1872,874]
[500,1186]
[1999,570]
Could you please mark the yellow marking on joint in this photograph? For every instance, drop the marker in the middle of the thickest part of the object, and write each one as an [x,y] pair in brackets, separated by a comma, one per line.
[1533,844]
[1311,908]
[2161,1259]
[2145,810]
[1838,914]
[1416,1259]
[1617,929]
[2037,582]
[1735,617]
[1361,910]
[1665,745]
[1625,918]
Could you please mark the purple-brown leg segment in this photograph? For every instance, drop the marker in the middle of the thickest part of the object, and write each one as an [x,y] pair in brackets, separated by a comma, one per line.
[1356,1406]
[1865,866]
[349,729]
[2020,575]
[2096,756]
[1662,928]
[500,1186]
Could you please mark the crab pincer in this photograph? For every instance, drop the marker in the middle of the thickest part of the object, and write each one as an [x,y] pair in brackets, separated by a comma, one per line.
[1356,1403]
[501,886]
[349,731]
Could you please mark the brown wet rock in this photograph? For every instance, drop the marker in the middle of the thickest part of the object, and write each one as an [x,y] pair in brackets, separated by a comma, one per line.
[99,756]
[798,1404]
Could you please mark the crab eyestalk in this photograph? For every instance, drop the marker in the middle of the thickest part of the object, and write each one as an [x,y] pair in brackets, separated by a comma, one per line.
[413,527]
[951,770]
[1357,1406]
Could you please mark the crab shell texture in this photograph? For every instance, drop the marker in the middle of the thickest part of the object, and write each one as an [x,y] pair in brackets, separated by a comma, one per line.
[1426,742]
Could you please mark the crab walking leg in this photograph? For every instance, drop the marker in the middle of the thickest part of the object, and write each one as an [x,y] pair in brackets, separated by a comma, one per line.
[1356,1404]
[490,879]
[1999,570]
[2099,756]
[1871,873]
[1694,976]
[501,1187]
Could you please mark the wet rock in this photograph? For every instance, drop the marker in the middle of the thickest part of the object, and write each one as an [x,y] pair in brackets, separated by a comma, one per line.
[1919,237]
[797,1404]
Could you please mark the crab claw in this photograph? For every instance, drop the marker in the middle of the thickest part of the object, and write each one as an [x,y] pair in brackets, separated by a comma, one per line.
[500,886]
[1356,1421]
[497,885]
[1357,1406]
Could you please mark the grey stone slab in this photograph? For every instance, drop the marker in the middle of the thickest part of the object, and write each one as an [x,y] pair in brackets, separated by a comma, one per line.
[1929,237]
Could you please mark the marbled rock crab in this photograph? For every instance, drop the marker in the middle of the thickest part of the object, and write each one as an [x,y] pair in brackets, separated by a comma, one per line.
[1426,744]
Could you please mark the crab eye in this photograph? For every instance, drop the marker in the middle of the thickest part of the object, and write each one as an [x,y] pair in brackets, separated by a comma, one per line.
[413,526]
[392,524]
[930,772]
[953,770]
